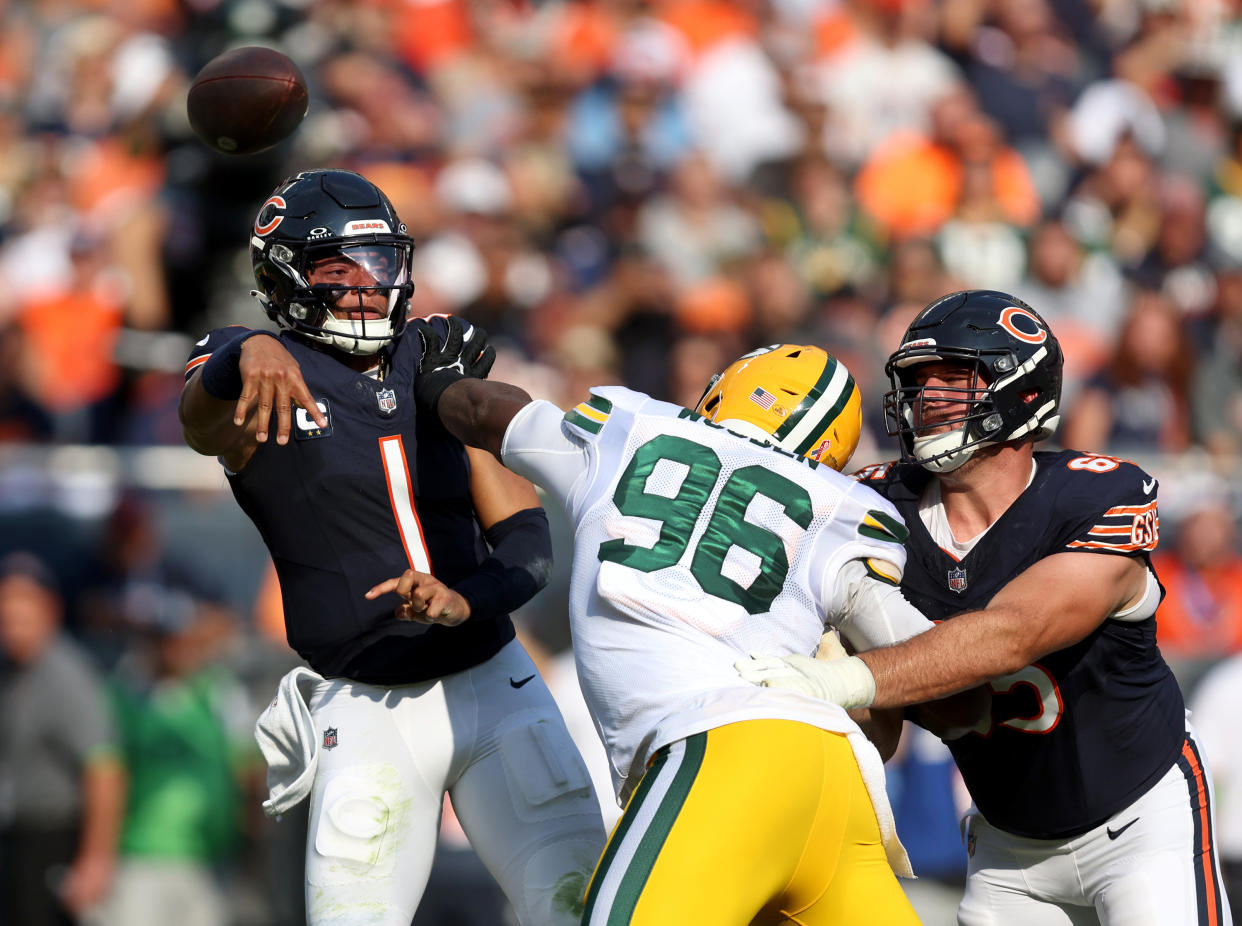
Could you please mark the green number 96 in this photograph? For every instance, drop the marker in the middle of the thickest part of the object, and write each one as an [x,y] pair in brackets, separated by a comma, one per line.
[726,528]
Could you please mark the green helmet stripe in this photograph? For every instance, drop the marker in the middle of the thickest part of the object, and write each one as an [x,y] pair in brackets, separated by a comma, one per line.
[814,394]
[827,419]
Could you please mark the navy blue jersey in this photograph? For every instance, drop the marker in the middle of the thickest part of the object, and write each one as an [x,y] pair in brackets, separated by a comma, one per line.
[1085,731]
[344,507]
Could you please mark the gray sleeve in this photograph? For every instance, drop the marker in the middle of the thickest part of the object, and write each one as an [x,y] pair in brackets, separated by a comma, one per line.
[1217,384]
[88,726]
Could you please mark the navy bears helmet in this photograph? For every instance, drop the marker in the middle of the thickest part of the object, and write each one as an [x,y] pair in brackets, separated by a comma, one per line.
[1015,392]
[321,214]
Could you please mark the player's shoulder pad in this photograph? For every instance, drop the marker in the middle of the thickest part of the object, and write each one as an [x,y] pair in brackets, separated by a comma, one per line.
[894,479]
[1112,501]
[875,517]
[587,419]
[437,322]
[203,348]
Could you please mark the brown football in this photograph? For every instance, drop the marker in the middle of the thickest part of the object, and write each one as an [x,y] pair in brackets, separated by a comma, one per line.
[246,100]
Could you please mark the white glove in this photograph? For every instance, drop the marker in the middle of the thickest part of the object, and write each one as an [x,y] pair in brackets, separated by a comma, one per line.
[847,682]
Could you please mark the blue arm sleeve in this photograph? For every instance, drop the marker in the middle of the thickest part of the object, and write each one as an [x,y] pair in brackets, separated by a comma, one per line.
[518,568]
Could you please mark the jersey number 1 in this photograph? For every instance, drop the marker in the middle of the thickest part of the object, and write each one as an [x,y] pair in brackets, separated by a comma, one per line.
[726,528]
[401,495]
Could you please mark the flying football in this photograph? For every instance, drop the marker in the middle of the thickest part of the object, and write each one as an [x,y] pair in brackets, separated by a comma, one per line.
[247,100]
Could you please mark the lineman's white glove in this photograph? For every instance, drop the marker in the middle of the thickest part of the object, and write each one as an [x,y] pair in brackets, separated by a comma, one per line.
[847,682]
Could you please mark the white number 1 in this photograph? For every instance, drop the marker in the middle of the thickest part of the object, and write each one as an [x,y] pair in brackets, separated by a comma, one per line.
[401,495]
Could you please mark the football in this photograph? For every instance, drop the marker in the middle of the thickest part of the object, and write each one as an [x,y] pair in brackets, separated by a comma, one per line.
[246,100]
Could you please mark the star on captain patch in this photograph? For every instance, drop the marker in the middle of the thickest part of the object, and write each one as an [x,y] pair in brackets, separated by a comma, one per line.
[329,738]
[957,579]
[387,400]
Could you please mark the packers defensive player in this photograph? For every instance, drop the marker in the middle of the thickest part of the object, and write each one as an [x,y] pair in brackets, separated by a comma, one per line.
[702,535]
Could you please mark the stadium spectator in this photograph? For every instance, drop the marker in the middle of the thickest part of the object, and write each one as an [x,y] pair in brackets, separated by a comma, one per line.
[883,80]
[913,182]
[1026,69]
[697,229]
[63,790]
[1216,391]
[1140,401]
[1201,615]
[189,760]
[1081,294]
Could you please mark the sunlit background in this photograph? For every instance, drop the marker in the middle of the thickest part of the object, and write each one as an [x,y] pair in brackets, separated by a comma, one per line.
[619,192]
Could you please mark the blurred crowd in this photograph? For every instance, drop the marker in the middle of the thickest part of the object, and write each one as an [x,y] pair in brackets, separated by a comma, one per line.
[628,191]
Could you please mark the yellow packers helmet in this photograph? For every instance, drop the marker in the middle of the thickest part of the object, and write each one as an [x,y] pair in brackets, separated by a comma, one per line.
[795,396]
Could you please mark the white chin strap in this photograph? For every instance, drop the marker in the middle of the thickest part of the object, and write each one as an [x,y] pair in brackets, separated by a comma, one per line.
[928,450]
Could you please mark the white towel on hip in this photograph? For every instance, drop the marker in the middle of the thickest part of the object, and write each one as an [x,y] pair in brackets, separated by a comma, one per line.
[286,737]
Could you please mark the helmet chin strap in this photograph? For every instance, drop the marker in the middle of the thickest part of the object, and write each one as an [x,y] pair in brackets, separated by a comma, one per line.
[943,453]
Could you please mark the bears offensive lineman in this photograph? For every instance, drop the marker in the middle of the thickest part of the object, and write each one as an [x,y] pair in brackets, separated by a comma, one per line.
[1092,801]
[694,545]
[358,485]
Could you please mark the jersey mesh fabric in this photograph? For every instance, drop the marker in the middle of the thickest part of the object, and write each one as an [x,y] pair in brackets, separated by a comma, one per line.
[657,621]
[697,549]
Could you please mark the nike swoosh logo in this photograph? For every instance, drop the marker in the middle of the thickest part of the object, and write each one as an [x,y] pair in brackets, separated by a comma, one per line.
[205,339]
[1113,834]
[520,682]
[1148,486]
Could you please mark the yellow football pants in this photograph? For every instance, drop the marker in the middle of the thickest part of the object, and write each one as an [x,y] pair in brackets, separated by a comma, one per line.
[764,821]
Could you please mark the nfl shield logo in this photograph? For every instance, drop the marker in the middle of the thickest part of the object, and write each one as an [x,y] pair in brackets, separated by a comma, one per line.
[957,579]
[387,399]
[329,738]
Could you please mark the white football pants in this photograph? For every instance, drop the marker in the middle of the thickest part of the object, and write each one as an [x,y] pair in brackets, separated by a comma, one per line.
[491,737]
[1153,864]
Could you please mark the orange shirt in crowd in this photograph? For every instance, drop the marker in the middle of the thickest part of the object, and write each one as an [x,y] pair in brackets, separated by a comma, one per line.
[1201,616]
[70,337]
[911,185]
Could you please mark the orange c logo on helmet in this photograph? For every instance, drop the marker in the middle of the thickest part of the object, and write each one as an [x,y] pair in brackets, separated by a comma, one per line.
[268,227]
[1037,336]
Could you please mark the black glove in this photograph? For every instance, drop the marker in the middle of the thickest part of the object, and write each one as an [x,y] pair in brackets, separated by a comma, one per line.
[463,353]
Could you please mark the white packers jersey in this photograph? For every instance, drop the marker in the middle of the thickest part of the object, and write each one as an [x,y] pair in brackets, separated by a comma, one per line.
[695,547]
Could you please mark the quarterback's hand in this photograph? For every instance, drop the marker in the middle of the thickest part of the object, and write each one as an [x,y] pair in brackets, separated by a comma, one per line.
[427,599]
[272,379]
[845,681]
[462,354]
